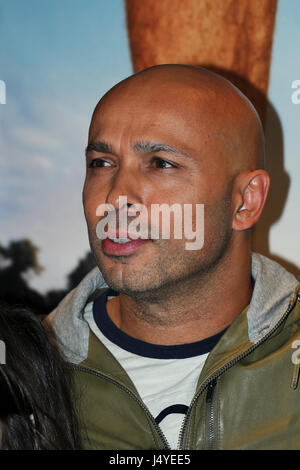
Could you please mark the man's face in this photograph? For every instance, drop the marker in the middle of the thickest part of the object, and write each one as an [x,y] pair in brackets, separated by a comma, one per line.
[189,170]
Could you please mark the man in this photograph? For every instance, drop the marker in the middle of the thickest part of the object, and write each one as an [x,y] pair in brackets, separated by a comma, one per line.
[187,348]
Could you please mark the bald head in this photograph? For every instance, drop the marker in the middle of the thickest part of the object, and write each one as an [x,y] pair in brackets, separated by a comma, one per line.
[214,106]
[175,135]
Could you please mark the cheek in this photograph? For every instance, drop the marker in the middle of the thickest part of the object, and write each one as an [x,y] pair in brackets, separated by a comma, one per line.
[90,205]
[92,197]
[218,220]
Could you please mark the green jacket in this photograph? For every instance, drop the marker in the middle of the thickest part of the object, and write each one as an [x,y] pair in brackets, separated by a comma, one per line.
[247,396]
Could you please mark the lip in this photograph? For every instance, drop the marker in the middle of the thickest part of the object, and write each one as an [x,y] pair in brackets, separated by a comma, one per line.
[118,234]
[111,248]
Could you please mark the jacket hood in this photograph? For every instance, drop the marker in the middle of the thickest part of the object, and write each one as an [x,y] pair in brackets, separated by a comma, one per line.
[273,289]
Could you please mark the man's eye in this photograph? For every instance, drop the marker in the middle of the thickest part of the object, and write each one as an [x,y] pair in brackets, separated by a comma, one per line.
[162,164]
[98,163]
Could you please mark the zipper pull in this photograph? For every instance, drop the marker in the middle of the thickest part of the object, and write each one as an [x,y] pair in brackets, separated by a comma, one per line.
[295,376]
[210,390]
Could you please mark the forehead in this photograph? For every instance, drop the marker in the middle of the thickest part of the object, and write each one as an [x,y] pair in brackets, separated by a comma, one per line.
[176,115]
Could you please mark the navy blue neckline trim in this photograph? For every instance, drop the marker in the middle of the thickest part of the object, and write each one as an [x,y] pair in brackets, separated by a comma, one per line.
[182,409]
[141,348]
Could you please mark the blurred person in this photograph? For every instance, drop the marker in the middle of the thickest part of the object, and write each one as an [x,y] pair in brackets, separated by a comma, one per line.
[36,405]
[177,348]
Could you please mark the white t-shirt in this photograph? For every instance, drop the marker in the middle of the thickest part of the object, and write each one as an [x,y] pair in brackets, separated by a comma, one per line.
[164,376]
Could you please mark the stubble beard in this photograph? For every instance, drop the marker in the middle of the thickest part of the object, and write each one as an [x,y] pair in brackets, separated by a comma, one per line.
[173,269]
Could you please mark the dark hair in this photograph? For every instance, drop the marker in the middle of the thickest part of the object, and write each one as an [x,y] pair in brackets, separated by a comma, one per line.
[36,402]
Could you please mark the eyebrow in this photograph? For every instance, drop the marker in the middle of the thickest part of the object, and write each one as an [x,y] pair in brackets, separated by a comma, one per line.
[140,147]
[153,147]
[99,146]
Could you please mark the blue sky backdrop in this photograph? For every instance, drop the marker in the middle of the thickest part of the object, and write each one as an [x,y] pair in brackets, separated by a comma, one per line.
[57,59]
[285,68]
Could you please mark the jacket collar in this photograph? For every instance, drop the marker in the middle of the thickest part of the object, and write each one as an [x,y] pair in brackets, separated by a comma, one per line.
[273,289]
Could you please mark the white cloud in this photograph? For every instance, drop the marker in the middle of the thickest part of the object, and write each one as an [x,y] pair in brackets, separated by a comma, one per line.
[36,138]
[40,161]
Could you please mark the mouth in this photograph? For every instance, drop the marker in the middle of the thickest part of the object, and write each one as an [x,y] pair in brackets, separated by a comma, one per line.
[122,246]
[121,241]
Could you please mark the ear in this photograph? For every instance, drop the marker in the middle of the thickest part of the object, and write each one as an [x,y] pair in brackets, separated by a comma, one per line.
[251,195]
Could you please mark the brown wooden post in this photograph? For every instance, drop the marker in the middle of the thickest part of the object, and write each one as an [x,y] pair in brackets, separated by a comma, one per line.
[232,37]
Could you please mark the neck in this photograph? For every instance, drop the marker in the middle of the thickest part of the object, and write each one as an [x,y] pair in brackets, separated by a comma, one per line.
[191,311]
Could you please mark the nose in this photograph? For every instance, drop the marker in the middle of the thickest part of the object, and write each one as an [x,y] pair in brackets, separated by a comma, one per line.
[125,189]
